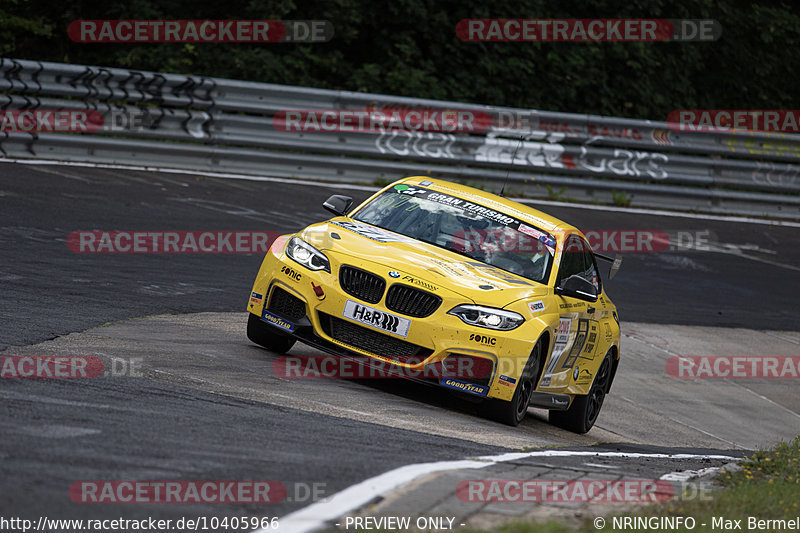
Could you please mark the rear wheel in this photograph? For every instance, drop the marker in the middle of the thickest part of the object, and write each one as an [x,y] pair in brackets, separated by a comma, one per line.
[266,335]
[582,414]
[512,413]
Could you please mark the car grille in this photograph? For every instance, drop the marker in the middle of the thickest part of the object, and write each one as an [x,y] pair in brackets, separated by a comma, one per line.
[411,301]
[372,341]
[361,284]
[286,305]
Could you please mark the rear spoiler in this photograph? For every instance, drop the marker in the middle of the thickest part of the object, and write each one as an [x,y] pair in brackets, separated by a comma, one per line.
[616,263]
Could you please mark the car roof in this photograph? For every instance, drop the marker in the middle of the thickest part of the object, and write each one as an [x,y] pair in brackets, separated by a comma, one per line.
[523,212]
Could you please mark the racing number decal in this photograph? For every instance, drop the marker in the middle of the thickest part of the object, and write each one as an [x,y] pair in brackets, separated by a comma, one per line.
[562,337]
[572,345]
[577,345]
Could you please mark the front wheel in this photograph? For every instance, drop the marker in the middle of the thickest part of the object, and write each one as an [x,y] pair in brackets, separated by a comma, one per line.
[266,336]
[582,414]
[512,413]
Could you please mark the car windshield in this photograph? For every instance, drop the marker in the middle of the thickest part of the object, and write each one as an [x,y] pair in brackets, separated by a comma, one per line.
[463,227]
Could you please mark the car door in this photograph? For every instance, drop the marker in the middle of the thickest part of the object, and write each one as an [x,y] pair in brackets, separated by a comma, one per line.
[577,333]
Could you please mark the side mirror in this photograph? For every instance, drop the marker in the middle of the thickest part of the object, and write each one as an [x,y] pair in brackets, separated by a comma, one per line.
[578,287]
[338,205]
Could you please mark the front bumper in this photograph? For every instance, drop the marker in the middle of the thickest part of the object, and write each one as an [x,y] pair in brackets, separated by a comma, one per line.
[314,308]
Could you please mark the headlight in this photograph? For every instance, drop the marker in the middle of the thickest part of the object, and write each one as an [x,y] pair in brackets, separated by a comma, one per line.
[487,317]
[307,255]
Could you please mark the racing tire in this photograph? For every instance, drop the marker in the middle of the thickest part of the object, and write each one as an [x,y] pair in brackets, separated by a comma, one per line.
[582,414]
[513,412]
[266,336]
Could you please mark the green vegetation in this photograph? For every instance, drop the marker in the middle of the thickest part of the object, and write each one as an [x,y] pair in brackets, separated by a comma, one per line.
[410,48]
[619,198]
[555,195]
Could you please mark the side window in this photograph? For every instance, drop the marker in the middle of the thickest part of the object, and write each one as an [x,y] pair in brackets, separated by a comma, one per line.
[578,259]
[572,260]
[590,270]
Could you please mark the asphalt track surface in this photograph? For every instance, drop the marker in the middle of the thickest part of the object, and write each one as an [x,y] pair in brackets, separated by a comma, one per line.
[50,291]
[169,426]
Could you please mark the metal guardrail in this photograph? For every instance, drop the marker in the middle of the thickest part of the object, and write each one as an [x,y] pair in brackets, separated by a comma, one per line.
[235,126]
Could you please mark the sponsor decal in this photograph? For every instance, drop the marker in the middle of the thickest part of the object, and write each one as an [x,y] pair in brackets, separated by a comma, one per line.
[376,319]
[547,240]
[582,377]
[275,320]
[536,306]
[483,339]
[480,390]
[508,379]
[417,281]
[558,401]
[468,207]
[411,191]
[292,273]
[256,298]
[371,232]
[394,274]
[425,183]
[532,232]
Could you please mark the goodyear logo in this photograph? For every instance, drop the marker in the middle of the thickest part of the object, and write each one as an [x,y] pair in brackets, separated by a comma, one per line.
[480,390]
[275,320]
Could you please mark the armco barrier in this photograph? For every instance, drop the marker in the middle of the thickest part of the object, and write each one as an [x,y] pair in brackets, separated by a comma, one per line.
[176,121]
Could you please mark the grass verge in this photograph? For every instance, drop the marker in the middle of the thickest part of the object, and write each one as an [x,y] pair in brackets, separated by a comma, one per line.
[767,488]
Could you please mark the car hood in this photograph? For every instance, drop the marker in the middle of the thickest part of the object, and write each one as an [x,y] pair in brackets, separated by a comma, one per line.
[470,278]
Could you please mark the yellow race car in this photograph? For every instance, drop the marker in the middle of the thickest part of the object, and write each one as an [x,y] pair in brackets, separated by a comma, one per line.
[456,286]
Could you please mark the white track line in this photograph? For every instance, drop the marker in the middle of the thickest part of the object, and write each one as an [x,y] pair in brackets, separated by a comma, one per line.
[317,515]
[340,185]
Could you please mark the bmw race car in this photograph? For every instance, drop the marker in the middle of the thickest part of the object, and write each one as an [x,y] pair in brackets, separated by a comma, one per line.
[479,293]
